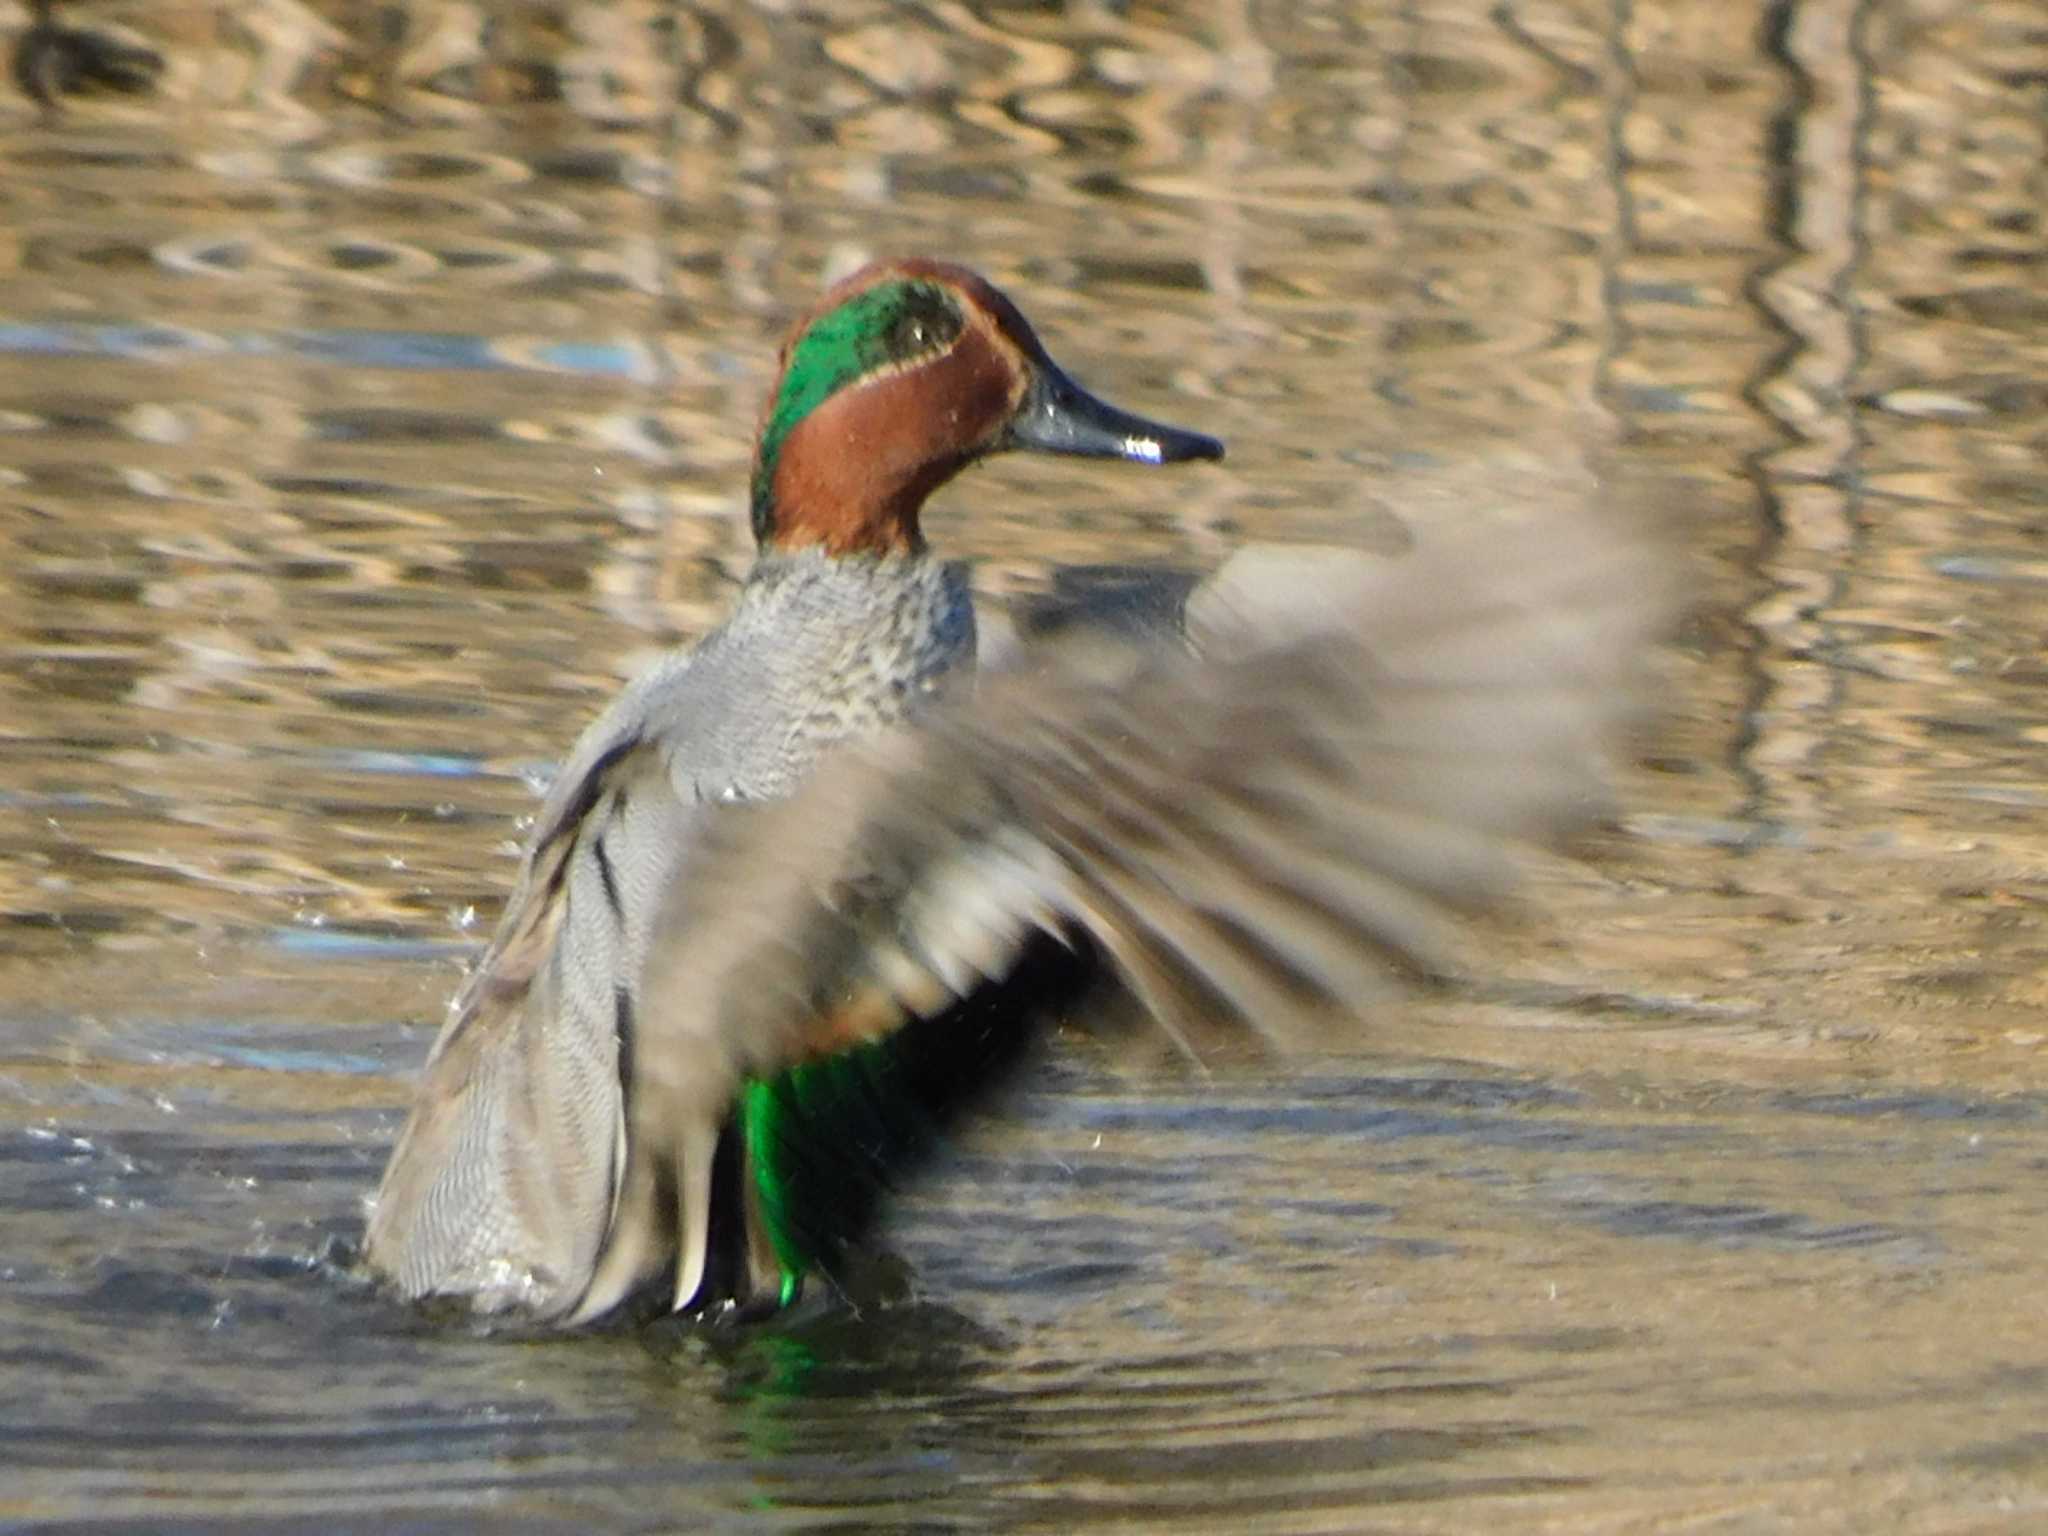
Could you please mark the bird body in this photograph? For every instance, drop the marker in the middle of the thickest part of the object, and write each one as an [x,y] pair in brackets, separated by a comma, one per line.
[819,648]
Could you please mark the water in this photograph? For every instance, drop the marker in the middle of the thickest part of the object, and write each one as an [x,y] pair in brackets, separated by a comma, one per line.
[375,395]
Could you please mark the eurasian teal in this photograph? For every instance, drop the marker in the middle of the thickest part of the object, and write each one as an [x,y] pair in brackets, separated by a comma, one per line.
[790,897]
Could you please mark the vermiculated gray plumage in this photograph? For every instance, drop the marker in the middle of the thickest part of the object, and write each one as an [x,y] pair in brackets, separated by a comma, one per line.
[502,1184]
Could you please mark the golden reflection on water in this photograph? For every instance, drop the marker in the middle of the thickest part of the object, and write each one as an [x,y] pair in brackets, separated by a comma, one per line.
[375,394]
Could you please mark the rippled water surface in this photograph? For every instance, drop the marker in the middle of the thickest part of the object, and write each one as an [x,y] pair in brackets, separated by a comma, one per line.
[375,395]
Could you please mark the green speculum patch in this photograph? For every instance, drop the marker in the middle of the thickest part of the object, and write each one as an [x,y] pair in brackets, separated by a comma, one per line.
[821,1140]
[826,1141]
[885,324]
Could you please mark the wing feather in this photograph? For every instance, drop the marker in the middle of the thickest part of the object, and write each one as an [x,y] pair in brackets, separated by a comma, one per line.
[507,1175]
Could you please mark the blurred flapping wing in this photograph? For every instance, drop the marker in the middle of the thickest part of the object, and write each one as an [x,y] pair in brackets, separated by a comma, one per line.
[1250,838]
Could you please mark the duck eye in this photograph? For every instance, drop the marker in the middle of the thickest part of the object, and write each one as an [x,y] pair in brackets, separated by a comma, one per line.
[923,326]
[910,335]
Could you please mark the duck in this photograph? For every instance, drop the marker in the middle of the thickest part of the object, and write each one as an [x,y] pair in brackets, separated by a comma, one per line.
[805,890]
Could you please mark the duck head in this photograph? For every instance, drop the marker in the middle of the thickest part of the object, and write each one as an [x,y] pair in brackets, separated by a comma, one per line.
[900,377]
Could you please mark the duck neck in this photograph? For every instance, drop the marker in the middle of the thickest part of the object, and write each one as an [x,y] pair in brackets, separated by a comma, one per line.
[793,512]
[912,612]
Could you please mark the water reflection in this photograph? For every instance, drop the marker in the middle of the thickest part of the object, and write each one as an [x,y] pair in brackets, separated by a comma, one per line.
[51,60]
[376,394]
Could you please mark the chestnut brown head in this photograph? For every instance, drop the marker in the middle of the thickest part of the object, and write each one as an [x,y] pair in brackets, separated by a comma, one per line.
[900,377]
